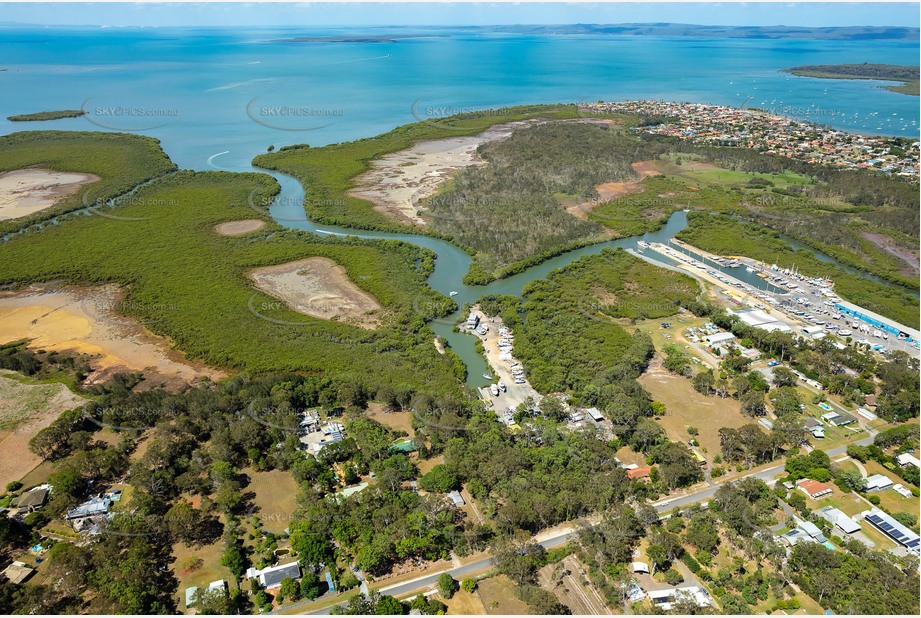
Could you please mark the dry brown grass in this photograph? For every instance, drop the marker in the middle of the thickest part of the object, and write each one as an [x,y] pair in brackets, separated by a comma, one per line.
[464,604]
[498,597]
[276,498]
[685,408]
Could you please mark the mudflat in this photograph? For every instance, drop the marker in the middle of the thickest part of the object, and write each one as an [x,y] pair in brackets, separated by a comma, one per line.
[397,182]
[238,228]
[24,192]
[84,320]
[321,288]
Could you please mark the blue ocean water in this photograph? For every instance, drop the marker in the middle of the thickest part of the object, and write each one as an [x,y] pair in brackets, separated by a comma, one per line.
[235,92]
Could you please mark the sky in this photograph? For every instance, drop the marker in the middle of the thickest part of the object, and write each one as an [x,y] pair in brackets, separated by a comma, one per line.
[461,13]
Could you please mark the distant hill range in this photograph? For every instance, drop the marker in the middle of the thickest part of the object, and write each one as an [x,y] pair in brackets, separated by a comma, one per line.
[850,33]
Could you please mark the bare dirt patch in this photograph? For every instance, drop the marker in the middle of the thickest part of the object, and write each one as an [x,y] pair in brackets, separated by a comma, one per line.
[464,604]
[608,191]
[908,256]
[238,228]
[685,408]
[84,320]
[23,192]
[321,288]
[26,409]
[397,182]
[400,421]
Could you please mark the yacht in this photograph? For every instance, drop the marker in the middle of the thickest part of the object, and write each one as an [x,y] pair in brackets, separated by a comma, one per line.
[643,244]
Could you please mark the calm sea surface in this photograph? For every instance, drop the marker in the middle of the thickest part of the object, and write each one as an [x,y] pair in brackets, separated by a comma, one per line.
[198,90]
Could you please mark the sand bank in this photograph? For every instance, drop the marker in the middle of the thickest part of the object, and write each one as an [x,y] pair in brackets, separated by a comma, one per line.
[85,321]
[24,192]
[321,288]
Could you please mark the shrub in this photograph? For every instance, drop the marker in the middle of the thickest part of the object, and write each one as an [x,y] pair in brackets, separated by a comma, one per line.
[673,577]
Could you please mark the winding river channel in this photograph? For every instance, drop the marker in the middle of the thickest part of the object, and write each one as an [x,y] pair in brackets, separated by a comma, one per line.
[452,263]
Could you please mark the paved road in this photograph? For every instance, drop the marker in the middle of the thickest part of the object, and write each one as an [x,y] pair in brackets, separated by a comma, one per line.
[564,536]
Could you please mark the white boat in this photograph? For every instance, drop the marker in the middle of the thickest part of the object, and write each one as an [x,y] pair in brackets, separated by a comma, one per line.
[643,244]
[452,293]
[749,269]
[487,376]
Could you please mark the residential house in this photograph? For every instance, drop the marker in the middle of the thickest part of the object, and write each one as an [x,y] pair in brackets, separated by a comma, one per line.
[18,572]
[840,520]
[33,499]
[98,505]
[639,473]
[271,577]
[666,599]
[813,531]
[813,489]
[456,499]
[878,482]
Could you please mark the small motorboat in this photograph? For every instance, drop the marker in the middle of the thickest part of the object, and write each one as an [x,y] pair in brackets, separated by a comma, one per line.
[452,293]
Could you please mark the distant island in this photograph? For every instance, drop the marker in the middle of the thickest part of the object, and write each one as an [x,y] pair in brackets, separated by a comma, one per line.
[52,115]
[908,75]
[356,39]
[843,33]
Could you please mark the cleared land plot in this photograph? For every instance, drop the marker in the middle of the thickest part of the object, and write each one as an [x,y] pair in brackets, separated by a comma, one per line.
[608,191]
[238,228]
[567,582]
[26,409]
[85,320]
[189,573]
[464,604]
[498,597]
[276,498]
[321,288]
[400,421]
[686,407]
[24,192]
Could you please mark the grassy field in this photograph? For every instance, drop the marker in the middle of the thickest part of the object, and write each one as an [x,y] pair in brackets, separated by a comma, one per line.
[210,570]
[26,409]
[276,498]
[685,408]
[121,161]
[889,499]
[498,597]
[464,604]
[724,235]
[187,282]
[400,421]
